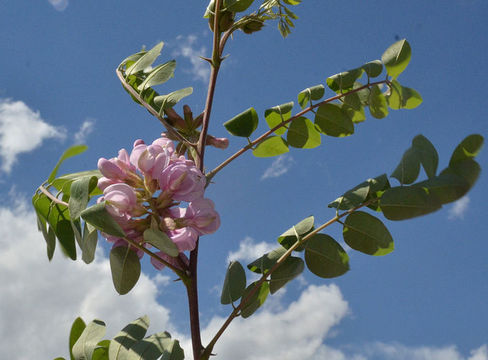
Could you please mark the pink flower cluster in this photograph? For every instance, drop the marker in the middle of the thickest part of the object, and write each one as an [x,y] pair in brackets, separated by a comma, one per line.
[147,188]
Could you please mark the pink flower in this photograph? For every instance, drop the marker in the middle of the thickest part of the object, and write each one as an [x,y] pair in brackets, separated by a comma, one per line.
[184,238]
[103,182]
[202,216]
[165,143]
[111,170]
[121,199]
[183,180]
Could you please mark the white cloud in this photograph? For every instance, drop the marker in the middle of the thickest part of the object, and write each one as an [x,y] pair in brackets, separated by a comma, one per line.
[459,208]
[39,300]
[249,250]
[59,5]
[22,130]
[279,167]
[187,47]
[295,333]
[397,351]
[85,129]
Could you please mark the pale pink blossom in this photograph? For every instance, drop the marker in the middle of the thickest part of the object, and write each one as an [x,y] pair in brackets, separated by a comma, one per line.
[121,199]
[184,238]
[201,215]
[183,180]
[165,143]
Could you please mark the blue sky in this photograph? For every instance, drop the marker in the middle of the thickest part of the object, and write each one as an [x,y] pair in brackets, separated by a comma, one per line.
[426,300]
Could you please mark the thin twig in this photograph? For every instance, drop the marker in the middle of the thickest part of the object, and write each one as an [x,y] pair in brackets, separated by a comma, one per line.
[52,197]
[265,276]
[212,173]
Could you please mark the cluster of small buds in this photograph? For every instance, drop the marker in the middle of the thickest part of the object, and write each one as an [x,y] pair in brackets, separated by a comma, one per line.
[148,188]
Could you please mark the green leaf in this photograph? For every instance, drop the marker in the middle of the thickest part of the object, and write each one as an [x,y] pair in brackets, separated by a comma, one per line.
[325,257]
[378,107]
[351,198]
[295,233]
[101,351]
[159,75]
[303,134]
[373,68]
[156,346]
[332,121]
[89,246]
[125,267]
[396,58]
[344,80]
[146,60]
[80,195]
[366,233]
[272,146]
[400,97]
[256,300]
[87,342]
[237,5]
[377,186]
[99,217]
[127,337]
[128,61]
[356,116]
[287,271]
[267,261]
[169,100]
[57,216]
[162,241]
[312,93]
[48,234]
[447,186]
[427,154]
[469,170]
[467,149]
[278,114]
[63,183]
[408,169]
[234,283]
[75,333]
[243,124]
[70,152]
[401,203]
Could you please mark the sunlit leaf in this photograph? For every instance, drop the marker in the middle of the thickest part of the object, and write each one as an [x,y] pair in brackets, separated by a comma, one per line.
[146,60]
[127,337]
[272,146]
[303,134]
[75,333]
[373,68]
[312,93]
[237,5]
[159,75]
[167,101]
[156,346]
[70,152]
[396,58]
[325,257]
[63,183]
[87,342]
[278,114]
[378,107]
[351,198]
